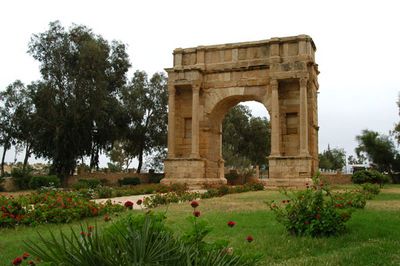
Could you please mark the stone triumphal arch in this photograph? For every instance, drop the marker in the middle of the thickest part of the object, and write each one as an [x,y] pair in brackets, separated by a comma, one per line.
[206,81]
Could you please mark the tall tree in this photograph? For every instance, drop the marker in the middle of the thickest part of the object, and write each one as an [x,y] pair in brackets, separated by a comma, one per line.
[77,103]
[246,139]
[16,119]
[379,149]
[145,102]
[332,159]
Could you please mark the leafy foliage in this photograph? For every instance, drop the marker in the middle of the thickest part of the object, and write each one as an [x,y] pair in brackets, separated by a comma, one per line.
[77,111]
[44,181]
[314,211]
[21,177]
[145,102]
[50,207]
[129,181]
[379,149]
[369,176]
[246,139]
[135,240]
[332,159]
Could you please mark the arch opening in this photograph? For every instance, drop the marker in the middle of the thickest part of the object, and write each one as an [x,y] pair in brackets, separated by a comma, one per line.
[246,142]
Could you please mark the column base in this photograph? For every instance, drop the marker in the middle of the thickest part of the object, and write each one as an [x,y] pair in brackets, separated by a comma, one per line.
[190,171]
[290,171]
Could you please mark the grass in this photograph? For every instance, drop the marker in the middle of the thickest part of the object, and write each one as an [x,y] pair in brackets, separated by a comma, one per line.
[373,236]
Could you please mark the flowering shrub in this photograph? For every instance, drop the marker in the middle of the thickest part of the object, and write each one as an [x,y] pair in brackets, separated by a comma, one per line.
[50,207]
[314,211]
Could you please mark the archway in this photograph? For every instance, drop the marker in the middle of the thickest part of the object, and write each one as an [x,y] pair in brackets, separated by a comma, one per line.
[246,142]
[206,81]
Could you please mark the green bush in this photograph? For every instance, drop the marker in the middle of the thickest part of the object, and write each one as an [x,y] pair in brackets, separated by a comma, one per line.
[370,190]
[21,177]
[87,183]
[369,176]
[231,176]
[312,212]
[254,186]
[155,178]
[129,181]
[104,192]
[44,181]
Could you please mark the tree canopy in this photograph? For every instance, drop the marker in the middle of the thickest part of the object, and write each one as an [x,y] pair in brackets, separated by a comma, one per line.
[332,159]
[379,149]
[246,139]
[77,108]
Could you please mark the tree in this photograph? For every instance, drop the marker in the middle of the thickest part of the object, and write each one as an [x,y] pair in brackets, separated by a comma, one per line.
[145,102]
[332,159]
[78,112]
[16,120]
[246,139]
[379,149]
[357,160]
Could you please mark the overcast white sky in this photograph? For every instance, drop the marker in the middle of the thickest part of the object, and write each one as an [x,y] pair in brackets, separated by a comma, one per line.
[357,43]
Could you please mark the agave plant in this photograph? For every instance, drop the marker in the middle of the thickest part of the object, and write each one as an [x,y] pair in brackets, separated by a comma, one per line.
[134,240]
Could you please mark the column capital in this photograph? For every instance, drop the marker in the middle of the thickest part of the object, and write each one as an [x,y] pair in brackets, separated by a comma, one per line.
[274,83]
[171,89]
[196,87]
[303,82]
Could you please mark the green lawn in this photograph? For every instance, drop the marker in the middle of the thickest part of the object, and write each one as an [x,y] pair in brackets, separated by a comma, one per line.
[373,236]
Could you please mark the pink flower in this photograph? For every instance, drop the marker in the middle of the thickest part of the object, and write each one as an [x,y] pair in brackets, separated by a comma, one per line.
[231,223]
[194,204]
[196,213]
[249,239]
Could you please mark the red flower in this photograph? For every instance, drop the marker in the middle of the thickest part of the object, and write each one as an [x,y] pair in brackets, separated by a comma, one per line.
[194,204]
[107,218]
[139,202]
[31,263]
[249,239]
[338,205]
[25,255]
[83,234]
[196,213]
[90,228]
[17,261]
[129,204]
[231,223]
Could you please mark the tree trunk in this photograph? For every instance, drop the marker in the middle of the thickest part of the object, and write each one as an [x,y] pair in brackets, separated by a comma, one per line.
[2,159]
[139,168]
[27,155]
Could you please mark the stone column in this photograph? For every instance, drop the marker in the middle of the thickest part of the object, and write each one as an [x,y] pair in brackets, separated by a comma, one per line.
[303,118]
[195,121]
[171,121]
[275,119]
